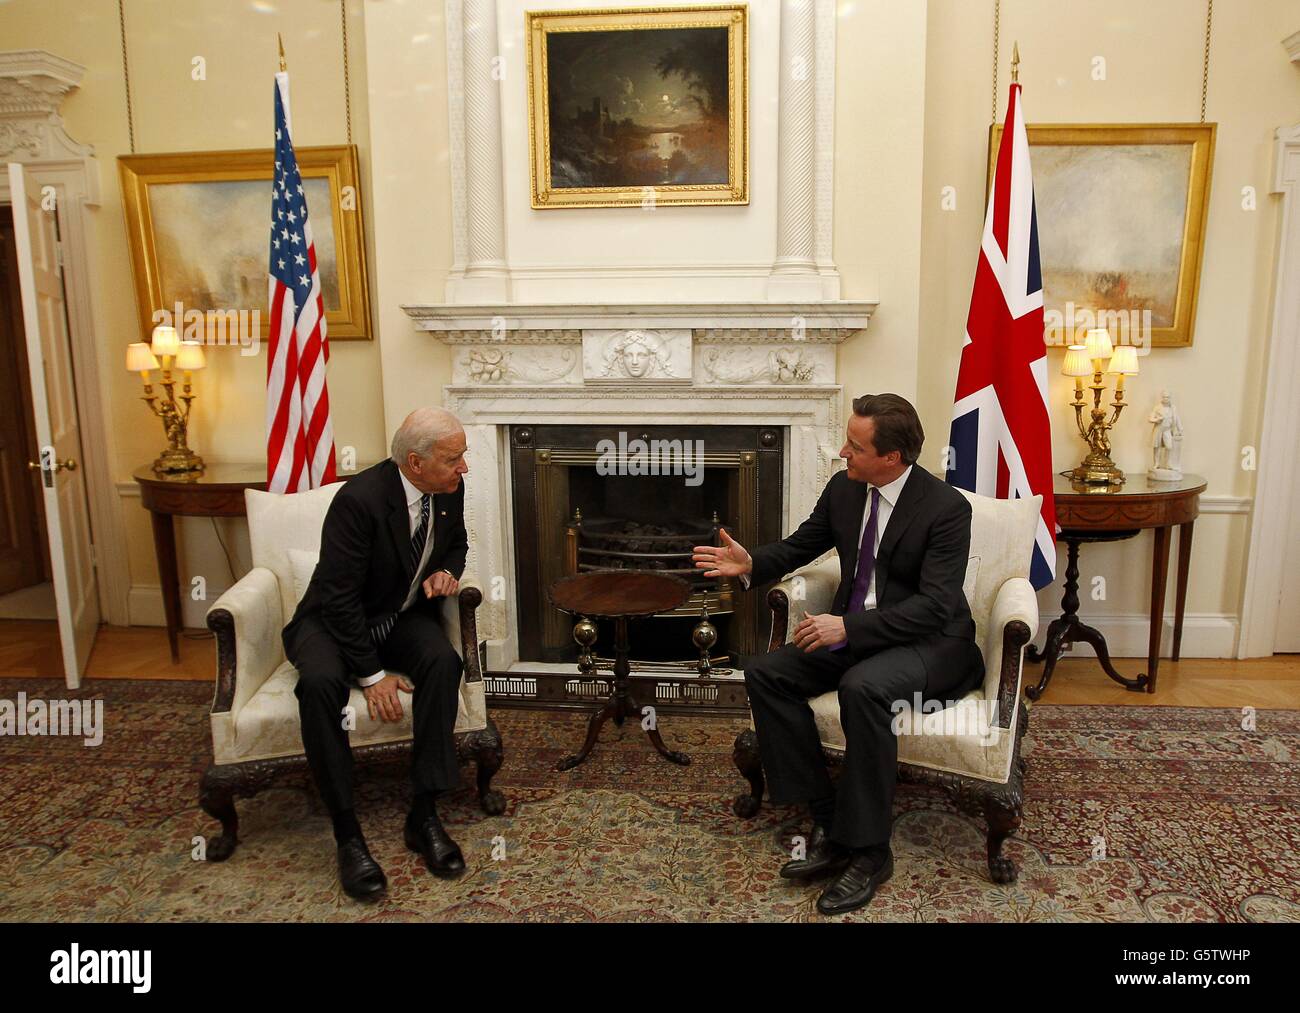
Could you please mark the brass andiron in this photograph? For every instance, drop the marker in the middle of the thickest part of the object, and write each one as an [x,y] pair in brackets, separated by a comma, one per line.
[584,632]
[177,458]
[1088,359]
[704,636]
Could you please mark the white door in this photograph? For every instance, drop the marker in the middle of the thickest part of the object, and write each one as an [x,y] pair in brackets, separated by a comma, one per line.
[67,517]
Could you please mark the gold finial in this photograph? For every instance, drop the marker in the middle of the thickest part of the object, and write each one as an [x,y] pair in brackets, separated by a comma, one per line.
[283,65]
[1015,63]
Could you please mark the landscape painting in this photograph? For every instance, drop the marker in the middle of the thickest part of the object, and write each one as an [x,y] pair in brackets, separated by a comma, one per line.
[630,107]
[212,252]
[199,226]
[1121,216]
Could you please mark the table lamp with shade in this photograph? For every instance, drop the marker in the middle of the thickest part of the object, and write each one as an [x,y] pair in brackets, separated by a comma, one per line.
[186,356]
[1090,359]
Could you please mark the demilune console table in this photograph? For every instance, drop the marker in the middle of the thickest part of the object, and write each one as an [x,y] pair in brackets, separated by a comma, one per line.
[1111,514]
[217,491]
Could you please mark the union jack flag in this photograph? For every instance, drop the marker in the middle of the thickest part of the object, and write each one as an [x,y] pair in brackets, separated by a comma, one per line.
[299,435]
[1001,436]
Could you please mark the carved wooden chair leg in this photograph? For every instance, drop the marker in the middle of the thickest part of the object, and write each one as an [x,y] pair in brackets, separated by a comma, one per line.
[489,756]
[745,755]
[217,799]
[1004,820]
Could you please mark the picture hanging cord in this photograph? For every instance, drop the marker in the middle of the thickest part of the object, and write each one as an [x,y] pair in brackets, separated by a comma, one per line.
[347,77]
[1205,67]
[997,17]
[126,73]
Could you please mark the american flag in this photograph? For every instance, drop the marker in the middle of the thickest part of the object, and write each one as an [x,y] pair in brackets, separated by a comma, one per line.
[299,435]
[1001,436]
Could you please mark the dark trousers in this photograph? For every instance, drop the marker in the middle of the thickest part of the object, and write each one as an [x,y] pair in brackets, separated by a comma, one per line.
[780,685]
[418,648]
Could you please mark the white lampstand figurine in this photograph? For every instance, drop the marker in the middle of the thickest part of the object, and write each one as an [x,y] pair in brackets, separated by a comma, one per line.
[1166,441]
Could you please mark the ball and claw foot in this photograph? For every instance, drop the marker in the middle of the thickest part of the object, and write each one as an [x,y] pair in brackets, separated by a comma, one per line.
[221,847]
[1003,870]
[745,806]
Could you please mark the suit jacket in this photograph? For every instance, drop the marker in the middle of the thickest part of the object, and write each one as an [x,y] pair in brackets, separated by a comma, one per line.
[920,565]
[364,571]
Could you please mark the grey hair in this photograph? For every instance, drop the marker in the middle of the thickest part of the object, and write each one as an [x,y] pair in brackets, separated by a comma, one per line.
[421,431]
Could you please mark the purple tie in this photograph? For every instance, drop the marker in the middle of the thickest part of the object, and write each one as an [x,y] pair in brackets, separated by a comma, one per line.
[866,562]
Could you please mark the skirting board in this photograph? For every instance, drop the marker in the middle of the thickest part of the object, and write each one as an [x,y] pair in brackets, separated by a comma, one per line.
[1205,635]
[144,607]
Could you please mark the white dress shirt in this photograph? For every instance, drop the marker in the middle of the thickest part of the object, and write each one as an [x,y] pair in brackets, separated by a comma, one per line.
[888,497]
[413,515]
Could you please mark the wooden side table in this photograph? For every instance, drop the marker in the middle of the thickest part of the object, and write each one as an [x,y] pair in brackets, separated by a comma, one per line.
[1109,514]
[618,595]
[217,491]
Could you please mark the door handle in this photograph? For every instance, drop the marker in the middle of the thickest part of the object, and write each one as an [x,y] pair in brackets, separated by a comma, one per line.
[70,464]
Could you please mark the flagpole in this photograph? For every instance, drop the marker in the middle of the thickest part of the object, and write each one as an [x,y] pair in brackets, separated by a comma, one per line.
[283,66]
[1015,62]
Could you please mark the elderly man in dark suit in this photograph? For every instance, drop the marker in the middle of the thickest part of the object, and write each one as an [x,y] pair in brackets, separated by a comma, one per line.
[393,543]
[899,625]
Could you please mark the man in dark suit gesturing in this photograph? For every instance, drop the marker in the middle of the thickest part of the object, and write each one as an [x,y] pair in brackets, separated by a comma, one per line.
[393,543]
[899,625]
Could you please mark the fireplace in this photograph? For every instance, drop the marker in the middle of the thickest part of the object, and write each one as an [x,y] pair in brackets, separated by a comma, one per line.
[539,386]
[579,508]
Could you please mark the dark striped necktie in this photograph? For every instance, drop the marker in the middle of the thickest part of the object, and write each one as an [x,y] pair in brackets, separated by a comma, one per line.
[421,533]
[380,630]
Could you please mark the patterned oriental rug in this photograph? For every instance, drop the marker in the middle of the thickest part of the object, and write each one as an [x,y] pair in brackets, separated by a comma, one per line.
[1131,814]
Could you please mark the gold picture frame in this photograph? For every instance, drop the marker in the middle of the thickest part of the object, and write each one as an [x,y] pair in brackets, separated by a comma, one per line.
[592,158]
[1117,191]
[198,227]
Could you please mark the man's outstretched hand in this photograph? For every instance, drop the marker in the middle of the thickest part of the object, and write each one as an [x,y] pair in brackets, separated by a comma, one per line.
[729,560]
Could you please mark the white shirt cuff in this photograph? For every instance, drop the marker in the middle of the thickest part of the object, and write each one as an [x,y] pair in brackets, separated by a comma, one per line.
[370,680]
[745,581]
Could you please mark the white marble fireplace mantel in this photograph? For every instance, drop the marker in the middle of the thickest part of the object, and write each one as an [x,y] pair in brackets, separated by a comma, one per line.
[458,323]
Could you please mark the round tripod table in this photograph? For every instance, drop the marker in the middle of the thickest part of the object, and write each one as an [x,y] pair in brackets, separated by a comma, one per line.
[619,596]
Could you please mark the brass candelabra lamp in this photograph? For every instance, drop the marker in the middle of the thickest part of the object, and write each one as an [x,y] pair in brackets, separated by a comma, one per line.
[1089,359]
[174,411]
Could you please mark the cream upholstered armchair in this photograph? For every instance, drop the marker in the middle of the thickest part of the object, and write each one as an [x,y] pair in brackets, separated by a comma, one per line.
[971,748]
[255,728]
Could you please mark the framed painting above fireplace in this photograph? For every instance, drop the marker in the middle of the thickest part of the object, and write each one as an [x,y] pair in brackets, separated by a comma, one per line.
[638,107]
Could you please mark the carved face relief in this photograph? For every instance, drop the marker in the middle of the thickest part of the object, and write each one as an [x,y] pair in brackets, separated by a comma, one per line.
[636,360]
[637,354]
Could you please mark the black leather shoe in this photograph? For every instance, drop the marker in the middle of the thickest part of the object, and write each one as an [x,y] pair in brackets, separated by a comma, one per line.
[856,884]
[428,838]
[360,874]
[822,856]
